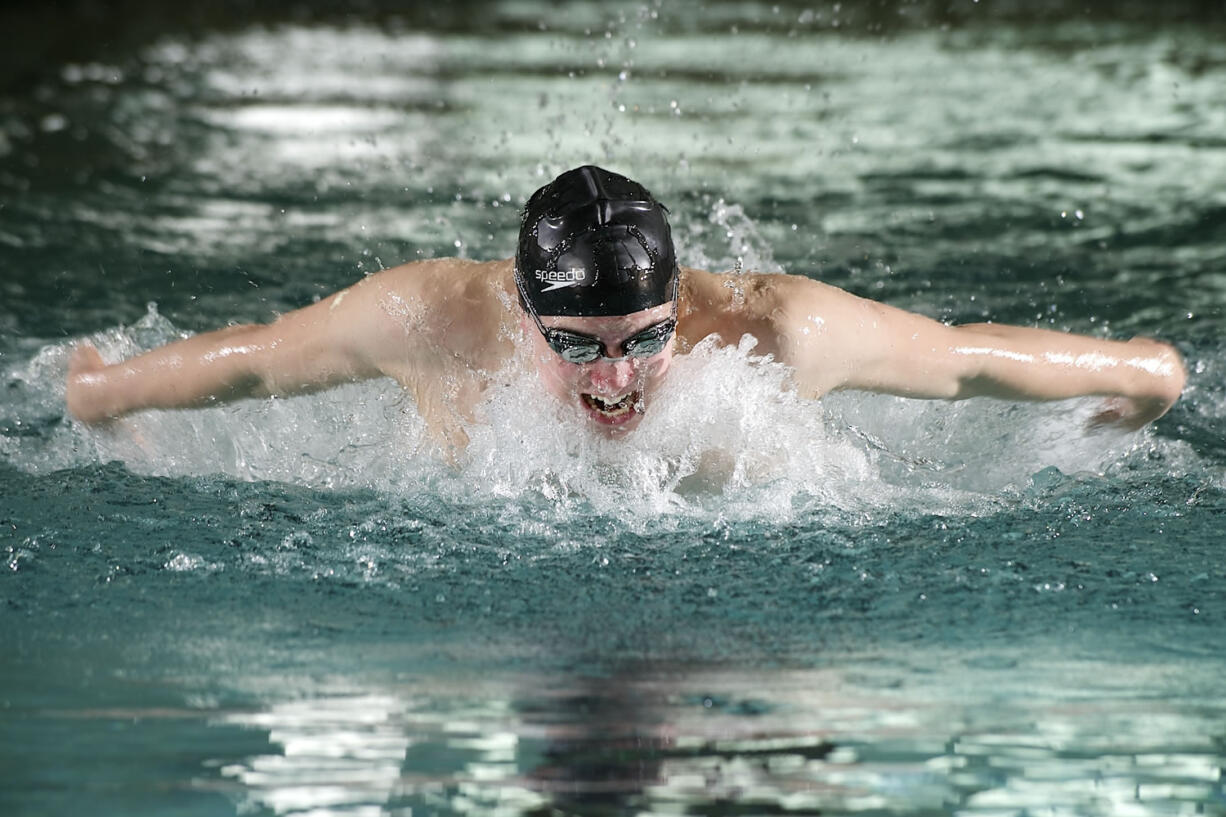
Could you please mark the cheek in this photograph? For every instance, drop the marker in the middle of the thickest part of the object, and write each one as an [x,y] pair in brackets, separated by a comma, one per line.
[550,368]
[659,367]
[558,376]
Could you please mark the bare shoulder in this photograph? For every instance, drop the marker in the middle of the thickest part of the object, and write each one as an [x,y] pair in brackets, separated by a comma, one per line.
[825,334]
[451,306]
[772,307]
[457,272]
[804,305]
[447,286]
[421,319]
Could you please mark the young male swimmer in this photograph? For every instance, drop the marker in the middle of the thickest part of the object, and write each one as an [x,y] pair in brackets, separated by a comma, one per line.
[595,293]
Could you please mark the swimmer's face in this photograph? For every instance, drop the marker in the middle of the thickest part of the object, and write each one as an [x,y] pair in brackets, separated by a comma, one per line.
[612,394]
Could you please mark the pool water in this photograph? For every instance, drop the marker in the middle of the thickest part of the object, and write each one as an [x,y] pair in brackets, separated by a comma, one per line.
[755,604]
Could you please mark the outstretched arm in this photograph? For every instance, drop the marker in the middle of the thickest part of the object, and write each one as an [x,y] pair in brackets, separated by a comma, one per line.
[884,349]
[333,341]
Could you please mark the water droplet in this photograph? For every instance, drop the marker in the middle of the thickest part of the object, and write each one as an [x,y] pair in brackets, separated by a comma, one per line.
[54,122]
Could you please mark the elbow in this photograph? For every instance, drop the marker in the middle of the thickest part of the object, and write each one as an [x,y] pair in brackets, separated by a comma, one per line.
[238,365]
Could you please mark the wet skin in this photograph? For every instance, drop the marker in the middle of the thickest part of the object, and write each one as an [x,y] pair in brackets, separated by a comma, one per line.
[612,394]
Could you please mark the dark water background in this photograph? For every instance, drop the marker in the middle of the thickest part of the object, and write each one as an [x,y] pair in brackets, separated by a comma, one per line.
[898,608]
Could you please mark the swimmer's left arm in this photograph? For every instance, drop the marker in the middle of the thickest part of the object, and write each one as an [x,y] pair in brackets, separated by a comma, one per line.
[885,349]
[1141,377]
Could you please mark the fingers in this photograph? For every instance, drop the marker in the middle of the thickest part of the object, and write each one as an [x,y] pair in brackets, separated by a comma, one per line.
[1126,414]
[1110,415]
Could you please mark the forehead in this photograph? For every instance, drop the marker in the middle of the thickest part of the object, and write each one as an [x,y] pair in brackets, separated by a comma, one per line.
[614,327]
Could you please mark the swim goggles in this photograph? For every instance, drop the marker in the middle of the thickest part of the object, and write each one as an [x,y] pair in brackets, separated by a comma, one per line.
[575,347]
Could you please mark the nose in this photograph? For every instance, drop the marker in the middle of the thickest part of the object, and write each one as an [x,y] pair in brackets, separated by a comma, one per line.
[611,377]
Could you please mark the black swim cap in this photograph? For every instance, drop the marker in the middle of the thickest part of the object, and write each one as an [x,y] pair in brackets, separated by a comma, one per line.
[594,243]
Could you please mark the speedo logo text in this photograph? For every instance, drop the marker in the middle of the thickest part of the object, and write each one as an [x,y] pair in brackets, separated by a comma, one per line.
[560,278]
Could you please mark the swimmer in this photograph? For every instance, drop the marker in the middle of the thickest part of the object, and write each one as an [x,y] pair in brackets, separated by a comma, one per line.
[596,298]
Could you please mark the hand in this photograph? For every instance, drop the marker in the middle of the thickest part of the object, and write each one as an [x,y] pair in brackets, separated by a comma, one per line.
[1164,388]
[1126,414]
[83,365]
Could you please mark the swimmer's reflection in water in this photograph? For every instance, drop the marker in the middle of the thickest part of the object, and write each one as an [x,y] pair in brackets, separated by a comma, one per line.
[613,744]
[595,296]
[604,746]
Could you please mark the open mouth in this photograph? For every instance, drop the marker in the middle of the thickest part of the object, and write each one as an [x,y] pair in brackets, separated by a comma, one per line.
[613,409]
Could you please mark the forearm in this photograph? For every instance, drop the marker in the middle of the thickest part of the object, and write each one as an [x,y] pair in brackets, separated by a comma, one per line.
[1038,364]
[199,371]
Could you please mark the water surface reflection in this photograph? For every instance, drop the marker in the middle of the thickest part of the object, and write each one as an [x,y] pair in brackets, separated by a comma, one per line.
[1008,737]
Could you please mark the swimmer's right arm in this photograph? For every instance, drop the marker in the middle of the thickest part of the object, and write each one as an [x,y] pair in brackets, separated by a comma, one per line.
[337,340]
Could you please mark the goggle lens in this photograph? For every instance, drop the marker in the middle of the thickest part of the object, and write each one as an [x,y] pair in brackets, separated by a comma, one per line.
[576,348]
